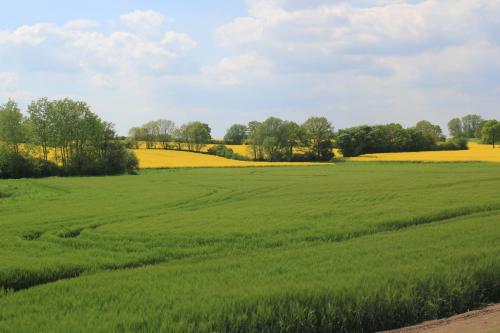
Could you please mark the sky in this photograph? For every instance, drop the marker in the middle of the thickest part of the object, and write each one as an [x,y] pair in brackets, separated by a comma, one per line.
[224,62]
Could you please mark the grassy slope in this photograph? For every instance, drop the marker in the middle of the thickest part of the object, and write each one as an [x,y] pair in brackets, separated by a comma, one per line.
[349,246]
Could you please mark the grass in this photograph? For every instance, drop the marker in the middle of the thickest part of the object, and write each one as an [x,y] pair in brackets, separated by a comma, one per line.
[476,153]
[355,247]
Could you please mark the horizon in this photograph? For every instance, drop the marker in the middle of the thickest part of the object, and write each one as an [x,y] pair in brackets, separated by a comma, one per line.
[372,62]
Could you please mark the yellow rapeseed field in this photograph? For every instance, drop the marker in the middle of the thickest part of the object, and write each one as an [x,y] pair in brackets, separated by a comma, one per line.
[476,152]
[159,158]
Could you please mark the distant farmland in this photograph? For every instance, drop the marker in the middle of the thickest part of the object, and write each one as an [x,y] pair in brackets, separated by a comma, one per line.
[352,247]
[476,153]
[160,158]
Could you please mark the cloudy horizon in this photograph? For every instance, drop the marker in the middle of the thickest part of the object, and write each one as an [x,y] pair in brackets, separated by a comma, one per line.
[356,62]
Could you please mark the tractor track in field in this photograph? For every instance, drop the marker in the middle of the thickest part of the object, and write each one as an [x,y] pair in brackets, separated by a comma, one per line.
[403,224]
[384,227]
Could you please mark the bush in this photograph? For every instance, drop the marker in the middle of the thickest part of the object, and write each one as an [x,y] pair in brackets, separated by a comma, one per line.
[221,150]
[114,159]
[132,163]
[226,152]
[453,144]
[14,165]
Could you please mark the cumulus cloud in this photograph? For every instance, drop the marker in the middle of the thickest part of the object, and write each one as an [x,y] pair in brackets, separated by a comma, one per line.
[232,70]
[143,21]
[376,57]
[362,61]
[331,27]
[79,47]
[178,41]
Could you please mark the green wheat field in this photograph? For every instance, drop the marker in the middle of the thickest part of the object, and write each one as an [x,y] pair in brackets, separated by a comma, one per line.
[351,247]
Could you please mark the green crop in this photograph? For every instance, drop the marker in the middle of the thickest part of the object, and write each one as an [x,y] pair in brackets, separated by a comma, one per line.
[352,247]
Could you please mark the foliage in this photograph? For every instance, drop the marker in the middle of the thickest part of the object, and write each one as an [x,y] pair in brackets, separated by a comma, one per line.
[455,128]
[236,135]
[78,140]
[18,165]
[361,140]
[453,144]
[432,133]
[197,135]
[275,139]
[319,135]
[490,132]
[226,152]
[250,250]
[12,126]
[469,126]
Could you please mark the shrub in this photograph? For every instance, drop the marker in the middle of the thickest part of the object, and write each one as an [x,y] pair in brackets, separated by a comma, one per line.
[15,165]
[453,144]
[221,150]
[132,163]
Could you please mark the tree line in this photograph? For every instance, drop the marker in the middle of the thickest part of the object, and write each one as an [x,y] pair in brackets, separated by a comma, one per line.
[59,137]
[275,139]
[424,136]
[474,126]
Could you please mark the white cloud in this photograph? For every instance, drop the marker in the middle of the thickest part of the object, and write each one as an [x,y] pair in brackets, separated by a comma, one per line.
[178,41]
[232,70]
[143,21]
[373,60]
[103,58]
[31,35]
[382,26]
[241,30]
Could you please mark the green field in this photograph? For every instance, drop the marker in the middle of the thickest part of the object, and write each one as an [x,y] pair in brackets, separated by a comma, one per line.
[350,247]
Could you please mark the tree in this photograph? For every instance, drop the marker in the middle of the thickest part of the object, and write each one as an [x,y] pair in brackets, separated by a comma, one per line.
[360,140]
[152,133]
[166,129]
[293,136]
[431,132]
[319,134]
[455,128]
[271,137]
[470,125]
[137,134]
[12,125]
[39,113]
[197,135]
[236,134]
[353,141]
[254,139]
[83,144]
[180,136]
[491,132]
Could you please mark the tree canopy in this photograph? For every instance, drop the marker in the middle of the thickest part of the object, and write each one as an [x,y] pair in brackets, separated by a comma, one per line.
[490,132]
[78,140]
[236,135]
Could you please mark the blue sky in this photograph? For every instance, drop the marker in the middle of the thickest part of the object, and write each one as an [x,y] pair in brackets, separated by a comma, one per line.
[225,62]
